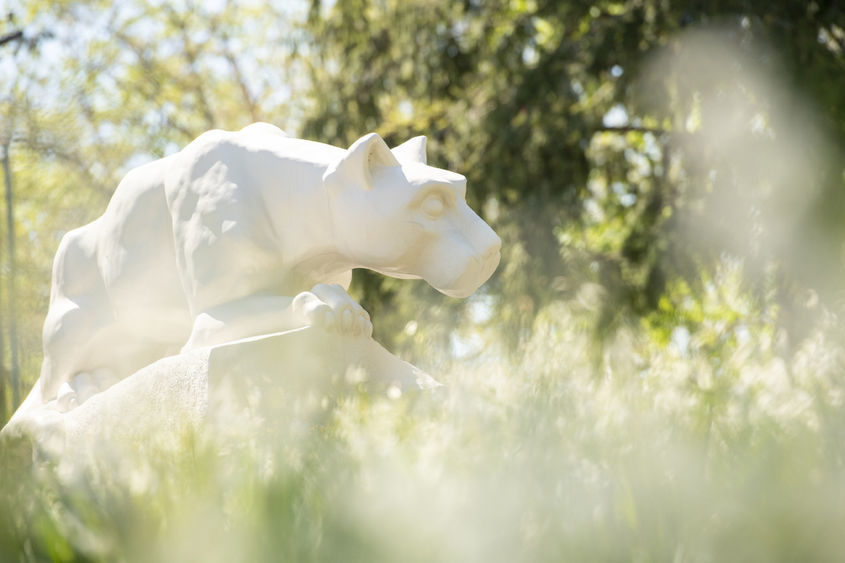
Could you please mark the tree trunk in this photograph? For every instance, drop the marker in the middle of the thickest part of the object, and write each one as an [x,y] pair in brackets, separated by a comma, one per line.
[12,294]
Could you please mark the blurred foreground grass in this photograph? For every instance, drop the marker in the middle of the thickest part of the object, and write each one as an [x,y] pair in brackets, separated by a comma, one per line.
[712,449]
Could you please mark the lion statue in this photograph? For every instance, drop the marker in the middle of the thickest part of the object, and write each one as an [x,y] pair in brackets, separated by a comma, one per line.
[247,233]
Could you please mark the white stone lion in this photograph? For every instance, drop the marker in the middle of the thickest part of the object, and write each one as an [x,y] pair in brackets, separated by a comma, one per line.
[247,233]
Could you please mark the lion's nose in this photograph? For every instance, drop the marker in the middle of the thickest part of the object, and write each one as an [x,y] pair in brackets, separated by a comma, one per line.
[484,241]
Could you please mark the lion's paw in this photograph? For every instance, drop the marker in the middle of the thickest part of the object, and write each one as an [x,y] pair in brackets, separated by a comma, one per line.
[330,308]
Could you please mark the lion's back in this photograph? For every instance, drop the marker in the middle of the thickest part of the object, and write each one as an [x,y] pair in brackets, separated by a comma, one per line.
[135,251]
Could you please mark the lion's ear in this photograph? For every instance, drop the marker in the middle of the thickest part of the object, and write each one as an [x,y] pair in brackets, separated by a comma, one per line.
[364,157]
[412,150]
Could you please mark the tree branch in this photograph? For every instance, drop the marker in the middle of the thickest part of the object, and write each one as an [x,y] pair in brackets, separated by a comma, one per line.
[633,129]
[13,36]
[239,78]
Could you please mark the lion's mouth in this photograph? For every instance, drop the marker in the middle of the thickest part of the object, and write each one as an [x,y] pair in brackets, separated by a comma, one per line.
[476,273]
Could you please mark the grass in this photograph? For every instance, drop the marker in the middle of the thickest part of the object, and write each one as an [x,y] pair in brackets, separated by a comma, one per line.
[717,451]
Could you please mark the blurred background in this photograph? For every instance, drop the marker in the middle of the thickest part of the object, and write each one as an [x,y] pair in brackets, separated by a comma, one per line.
[668,179]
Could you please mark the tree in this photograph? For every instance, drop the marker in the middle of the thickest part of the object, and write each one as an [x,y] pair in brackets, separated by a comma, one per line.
[591,146]
[28,42]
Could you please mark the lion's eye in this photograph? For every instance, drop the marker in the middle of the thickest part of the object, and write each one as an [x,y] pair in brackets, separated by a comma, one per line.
[433,206]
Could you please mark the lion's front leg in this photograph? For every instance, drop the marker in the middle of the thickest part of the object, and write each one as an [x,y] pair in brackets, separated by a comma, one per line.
[325,306]
[331,308]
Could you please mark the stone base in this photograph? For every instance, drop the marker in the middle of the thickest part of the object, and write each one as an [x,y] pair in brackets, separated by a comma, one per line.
[231,388]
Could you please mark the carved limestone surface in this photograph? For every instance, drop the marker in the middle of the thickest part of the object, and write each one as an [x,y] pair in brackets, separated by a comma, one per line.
[242,234]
